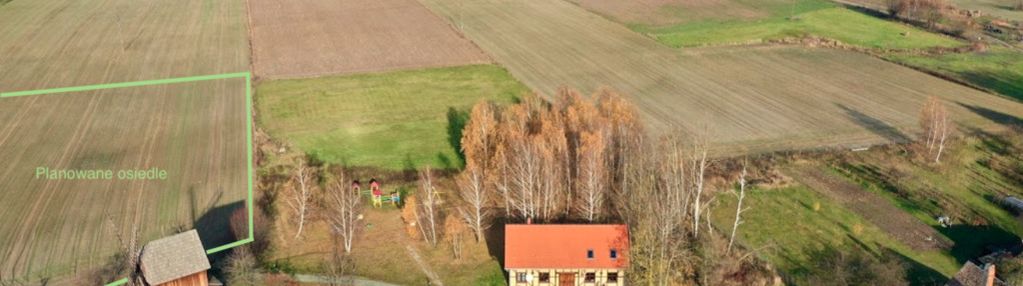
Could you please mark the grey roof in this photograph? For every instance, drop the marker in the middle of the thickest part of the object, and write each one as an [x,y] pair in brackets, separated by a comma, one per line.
[173,257]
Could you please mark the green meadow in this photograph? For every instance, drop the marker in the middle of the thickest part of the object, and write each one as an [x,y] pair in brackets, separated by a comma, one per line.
[395,120]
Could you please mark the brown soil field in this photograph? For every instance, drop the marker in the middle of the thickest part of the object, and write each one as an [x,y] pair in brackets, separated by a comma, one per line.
[874,208]
[59,228]
[59,43]
[313,38]
[56,229]
[667,12]
[754,99]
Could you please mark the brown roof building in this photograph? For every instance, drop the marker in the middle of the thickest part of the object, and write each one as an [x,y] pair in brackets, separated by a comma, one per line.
[566,254]
[973,275]
[177,260]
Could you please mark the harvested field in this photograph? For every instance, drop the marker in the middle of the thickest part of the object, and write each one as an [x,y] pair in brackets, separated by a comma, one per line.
[59,228]
[667,12]
[58,43]
[194,131]
[755,99]
[875,209]
[313,38]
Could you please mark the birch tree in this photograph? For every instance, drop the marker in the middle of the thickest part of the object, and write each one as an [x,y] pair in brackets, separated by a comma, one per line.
[592,174]
[472,189]
[343,205]
[428,215]
[738,207]
[699,169]
[936,125]
[301,193]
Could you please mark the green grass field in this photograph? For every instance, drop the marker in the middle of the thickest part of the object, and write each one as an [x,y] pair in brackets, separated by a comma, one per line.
[967,187]
[783,227]
[811,18]
[1000,69]
[391,120]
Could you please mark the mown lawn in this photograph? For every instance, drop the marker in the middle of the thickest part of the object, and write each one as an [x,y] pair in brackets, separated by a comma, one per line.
[789,226]
[395,120]
[816,18]
[999,69]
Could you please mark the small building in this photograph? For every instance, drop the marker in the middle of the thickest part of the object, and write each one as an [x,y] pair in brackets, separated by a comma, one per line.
[566,254]
[177,260]
[1014,204]
[973,275]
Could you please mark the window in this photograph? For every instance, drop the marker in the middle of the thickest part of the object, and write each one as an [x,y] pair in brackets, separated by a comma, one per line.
[612,277]
[590,277]
[589,254]
[614,253]
[545,277]
[520,277]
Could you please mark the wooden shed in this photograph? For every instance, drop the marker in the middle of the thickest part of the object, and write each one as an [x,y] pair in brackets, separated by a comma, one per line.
[177,260]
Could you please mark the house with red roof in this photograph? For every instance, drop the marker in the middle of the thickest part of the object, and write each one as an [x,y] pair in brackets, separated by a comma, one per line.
[566,254]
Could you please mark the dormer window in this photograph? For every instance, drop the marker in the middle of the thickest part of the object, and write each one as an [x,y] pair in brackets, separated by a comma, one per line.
[589,254]
[614,253]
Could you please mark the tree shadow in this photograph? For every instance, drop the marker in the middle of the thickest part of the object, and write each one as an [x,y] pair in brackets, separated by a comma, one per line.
[916,272]
[875,125]
[972,242]
[214,226]
[996,82]
[408,170]
[495,239]
[457,119]
[993,115]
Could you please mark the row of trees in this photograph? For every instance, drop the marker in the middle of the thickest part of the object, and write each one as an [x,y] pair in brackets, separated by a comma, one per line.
[546,161]
[580,159]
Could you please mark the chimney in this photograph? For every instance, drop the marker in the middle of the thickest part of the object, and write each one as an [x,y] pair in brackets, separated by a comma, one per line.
[990,280]
[529,220]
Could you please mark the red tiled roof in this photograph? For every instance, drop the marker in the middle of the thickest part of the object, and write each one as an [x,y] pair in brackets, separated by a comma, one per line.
[565,246]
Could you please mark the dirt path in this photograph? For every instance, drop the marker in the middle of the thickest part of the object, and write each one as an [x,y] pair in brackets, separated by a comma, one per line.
[434,279]
[872,207]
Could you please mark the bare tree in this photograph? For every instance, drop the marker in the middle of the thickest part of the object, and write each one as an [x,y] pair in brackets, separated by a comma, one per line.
[738,207]
[592,174]
[454,230]
[427,218]
[699,169]
[127,258]
[343,205]
[935,122]
[301,193]
[472,189]
[241,267]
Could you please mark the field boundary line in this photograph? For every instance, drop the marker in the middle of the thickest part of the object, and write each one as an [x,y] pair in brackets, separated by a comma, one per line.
[126,84]
[248,133]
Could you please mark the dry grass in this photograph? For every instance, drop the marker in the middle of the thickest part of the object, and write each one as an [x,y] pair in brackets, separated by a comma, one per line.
[311,38]
[758,99]
[194,131]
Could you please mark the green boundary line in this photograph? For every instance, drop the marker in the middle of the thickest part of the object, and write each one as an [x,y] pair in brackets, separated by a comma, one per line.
[248,131]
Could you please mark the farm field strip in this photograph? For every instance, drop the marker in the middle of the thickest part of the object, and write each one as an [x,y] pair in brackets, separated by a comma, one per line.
[196,131]
[51,228]
[315,38]
[770,96]
[59,43]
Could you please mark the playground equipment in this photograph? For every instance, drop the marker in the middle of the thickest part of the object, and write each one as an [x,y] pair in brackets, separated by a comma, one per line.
[394,198]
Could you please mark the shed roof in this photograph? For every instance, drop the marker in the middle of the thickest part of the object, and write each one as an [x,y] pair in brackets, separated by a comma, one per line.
[173,257]
[974,275]
[565,246]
